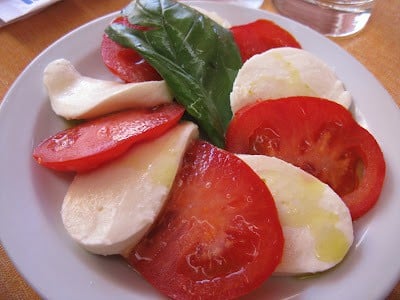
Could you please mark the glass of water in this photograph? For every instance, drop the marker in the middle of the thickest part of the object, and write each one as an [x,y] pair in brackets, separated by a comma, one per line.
[330,17]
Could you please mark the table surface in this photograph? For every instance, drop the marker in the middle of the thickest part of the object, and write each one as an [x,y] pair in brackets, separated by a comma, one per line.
[377,47]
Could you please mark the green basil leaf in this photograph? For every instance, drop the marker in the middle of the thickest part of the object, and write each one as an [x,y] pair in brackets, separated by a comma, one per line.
[197,57]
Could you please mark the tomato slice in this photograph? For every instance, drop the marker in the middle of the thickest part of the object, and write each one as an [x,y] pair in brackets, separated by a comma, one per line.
[126,63]
[261,35]
[88,145]
[219,236]
[319,136]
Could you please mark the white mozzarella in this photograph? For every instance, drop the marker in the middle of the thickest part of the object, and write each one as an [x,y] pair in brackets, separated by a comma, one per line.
[317,225]
[213,16]
[74,96]
[284,72]
[107,211]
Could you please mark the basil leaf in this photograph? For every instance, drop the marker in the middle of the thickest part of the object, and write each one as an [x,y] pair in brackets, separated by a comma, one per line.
[197,57]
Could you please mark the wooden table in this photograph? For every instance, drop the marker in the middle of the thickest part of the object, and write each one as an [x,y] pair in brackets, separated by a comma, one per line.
[377,47]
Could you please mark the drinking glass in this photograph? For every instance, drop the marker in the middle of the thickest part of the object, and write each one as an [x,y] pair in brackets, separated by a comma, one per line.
[329,17]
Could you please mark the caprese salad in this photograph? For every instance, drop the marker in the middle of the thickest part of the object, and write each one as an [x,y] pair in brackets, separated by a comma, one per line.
[222,155]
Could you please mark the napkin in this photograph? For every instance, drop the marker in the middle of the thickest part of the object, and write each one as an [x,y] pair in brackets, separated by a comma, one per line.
[14,10]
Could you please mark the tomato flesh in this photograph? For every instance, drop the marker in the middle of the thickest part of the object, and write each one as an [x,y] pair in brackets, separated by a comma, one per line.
[126,63]
[319,136]
[93,143]
[219,236]
[261,35]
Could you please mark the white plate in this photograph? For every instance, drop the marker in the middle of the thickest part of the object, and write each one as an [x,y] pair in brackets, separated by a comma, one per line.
[30,196]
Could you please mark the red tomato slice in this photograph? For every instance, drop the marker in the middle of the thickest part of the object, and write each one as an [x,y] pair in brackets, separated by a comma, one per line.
[88,145]
[126,63]
[319,136]
[259,36]
[219,236]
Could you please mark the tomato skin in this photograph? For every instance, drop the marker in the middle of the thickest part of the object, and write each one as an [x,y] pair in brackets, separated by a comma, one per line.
[219,236]
[93,143]
[319,136]
[126,63]
[261,35]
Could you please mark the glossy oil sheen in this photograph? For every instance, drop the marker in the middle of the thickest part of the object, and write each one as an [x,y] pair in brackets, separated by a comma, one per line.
[303,209]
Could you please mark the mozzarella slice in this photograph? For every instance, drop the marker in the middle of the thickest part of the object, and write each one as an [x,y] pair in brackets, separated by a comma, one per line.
[284,72]
[213,16]
[109,210]
[316,223]
[74,96]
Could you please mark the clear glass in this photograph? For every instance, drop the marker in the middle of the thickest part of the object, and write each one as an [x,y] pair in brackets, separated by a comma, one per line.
[329,17]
